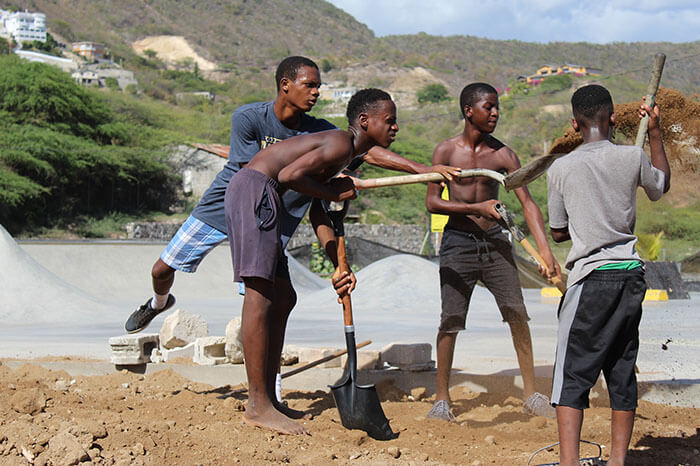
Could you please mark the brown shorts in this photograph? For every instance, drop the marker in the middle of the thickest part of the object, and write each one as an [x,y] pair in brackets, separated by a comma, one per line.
[465,258]
[253,212]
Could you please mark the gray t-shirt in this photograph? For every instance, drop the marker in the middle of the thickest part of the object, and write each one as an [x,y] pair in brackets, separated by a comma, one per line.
[254,127]
[592,191]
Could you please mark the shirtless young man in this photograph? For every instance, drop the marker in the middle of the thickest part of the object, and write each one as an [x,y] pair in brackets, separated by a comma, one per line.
[308,165]
[474,248]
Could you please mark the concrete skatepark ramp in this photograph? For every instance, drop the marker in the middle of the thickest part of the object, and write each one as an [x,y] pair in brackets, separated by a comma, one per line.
[33,294]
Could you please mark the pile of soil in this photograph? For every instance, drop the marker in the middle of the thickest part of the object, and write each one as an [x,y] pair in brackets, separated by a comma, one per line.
[49,417]
[680,126]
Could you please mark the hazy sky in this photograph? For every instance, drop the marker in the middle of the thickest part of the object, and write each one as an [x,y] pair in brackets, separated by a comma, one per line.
[534,20]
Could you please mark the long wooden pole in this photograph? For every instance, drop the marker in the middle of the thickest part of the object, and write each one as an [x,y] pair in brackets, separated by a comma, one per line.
[652,88]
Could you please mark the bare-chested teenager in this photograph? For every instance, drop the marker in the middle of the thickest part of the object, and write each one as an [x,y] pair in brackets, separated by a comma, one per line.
[307,164]
[474,247]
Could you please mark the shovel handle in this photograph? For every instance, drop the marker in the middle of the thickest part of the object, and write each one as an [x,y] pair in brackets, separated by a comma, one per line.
[652,87]
[425,178]
[315,363]
[556,280]
[343,266]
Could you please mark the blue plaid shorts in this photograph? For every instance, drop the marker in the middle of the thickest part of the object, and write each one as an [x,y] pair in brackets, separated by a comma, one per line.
[192,242]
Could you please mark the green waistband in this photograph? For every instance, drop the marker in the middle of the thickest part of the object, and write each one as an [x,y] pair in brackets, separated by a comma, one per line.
[625,265]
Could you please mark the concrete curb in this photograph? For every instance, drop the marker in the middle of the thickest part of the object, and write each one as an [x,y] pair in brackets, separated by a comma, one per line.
[666,392]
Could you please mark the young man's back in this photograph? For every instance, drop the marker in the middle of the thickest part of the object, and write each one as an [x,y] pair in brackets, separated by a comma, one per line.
[592,199]
[597,183]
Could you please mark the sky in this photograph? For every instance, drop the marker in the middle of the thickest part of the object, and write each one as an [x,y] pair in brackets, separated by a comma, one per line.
[534,20]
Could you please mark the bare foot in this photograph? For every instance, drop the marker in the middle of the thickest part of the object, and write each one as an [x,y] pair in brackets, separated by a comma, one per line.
[292,413]
[274,420]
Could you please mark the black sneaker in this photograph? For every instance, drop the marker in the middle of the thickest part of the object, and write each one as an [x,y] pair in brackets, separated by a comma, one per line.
[143,316]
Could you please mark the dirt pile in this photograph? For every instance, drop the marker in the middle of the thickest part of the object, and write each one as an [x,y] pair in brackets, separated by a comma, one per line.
[680,126]
[49,417]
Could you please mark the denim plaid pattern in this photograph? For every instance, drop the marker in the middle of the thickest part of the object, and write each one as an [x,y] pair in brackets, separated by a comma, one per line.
[192,242]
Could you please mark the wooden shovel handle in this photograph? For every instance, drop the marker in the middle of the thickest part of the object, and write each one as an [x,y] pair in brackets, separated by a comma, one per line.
[318,361]
[343,266]
[540,260]
[652,87]
[425,178]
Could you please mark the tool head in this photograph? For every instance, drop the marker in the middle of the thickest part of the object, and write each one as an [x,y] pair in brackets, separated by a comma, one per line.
[508,221]
[336,213]
[358,405]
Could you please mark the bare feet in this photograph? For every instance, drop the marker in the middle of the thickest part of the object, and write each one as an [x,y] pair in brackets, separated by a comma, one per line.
[274,420]
[292,413]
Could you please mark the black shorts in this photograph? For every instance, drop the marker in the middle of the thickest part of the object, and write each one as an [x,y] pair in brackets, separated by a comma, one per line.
[253,213]
[465,258]
[599,330]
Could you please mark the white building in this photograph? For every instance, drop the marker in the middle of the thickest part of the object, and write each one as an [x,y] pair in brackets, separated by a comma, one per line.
[23,26]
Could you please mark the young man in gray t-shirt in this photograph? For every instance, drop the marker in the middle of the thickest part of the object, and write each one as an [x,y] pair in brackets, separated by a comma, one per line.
[592,202]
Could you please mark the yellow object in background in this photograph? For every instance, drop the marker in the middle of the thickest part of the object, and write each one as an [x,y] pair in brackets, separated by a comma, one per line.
[438,221]
[650,295]
[550,292]
[656,295]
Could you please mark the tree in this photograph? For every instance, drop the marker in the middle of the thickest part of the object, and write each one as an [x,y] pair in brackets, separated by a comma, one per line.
[326,65]
[5,47]
[432,93]
[43,95]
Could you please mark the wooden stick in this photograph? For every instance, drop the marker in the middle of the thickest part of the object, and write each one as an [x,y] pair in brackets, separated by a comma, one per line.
[519,178]
[425,178]
[652,87]
[306,366]
[311,364]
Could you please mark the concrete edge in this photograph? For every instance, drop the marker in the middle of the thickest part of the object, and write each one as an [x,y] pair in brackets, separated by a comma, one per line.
[665,392]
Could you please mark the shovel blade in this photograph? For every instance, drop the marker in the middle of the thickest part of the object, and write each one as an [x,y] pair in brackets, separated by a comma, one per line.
[359,408]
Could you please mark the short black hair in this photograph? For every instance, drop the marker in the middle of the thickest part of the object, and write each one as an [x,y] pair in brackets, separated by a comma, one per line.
[589,101]
[363,101]
[472,92]
[289,67]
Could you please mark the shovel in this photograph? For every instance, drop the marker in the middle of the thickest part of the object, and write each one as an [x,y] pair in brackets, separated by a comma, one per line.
[358,405]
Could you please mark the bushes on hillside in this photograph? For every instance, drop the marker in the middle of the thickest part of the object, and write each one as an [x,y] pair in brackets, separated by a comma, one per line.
[62,153]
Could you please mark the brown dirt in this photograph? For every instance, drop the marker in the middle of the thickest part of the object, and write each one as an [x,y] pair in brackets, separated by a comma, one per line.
[49,417]
[680,126]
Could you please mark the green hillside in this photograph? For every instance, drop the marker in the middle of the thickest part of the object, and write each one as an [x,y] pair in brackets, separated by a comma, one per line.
[247,38]
[240,34]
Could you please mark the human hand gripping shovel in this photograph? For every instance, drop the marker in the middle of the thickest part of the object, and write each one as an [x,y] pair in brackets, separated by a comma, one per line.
[358,405]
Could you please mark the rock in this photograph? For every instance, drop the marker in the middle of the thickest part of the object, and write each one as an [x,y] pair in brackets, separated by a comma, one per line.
[408,356]
[234,346]
[290,355]
[31,401]
[394,451]
[419,393]
[490,440]
[65,449]
[181,328]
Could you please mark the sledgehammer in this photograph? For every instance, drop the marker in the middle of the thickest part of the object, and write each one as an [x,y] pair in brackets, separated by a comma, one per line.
[520,237]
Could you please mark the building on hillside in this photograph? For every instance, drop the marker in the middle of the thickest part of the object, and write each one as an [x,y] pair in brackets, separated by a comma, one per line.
[202,95]
[336,94]
[198,164]
[97,75]
[93,51]
[23,26]
[546,71]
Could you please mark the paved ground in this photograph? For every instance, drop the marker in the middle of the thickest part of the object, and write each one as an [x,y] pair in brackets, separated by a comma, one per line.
[68,298]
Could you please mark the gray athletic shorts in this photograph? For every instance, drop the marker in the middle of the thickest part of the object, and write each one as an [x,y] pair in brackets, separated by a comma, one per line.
[465,258]
[599,331]
[253,213]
